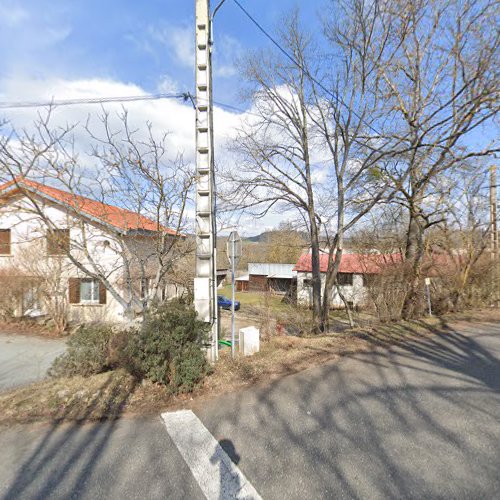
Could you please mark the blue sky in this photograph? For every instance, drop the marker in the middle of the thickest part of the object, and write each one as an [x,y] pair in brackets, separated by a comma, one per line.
[61,49]
[147,43]
[89,48]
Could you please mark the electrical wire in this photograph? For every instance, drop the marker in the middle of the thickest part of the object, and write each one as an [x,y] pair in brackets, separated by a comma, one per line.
[91,100]
[301,67]
[185,96]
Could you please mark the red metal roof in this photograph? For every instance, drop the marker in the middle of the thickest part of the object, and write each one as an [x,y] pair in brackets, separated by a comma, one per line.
[351,263]
[119,218]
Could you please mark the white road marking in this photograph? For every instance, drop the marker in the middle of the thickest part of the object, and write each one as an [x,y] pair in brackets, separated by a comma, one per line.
[215,472]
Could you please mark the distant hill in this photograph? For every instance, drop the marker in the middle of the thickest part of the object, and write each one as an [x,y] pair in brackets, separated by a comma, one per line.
[266,236]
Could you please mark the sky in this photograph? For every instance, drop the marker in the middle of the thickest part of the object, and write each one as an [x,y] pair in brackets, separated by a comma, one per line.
[62,49]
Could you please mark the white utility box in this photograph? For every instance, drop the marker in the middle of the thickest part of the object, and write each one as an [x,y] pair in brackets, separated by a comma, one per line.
[249,340]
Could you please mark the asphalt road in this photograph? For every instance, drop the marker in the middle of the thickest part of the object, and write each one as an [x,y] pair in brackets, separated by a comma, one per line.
[418,421]
[25,359]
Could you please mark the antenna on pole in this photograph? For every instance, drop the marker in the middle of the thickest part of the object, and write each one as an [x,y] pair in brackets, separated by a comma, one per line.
[205,281]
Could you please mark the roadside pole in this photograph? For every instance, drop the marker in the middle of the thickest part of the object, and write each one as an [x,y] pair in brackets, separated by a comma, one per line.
[205,281]
[495,277]
[428,294]
[234,254]
[233,298]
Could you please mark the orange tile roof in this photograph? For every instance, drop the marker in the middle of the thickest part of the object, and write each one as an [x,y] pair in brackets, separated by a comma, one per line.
[118,218]
[351,263]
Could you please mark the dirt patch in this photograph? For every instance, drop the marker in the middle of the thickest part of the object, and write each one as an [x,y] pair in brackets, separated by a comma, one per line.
[110,395]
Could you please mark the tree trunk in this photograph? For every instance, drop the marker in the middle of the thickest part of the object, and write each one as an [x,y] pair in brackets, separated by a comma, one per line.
[414,256]
[316,274]
[330,281]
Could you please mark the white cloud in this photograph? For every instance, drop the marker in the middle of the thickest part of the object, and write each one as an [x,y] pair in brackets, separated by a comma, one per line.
[227,51]
[168,85]
[170,115]
[179,39]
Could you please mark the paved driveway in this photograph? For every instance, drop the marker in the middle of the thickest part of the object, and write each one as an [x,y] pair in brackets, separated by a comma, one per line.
[25,359]
[421,420]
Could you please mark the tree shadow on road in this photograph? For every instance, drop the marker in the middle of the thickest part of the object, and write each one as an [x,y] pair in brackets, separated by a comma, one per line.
[66,453]
[414,419]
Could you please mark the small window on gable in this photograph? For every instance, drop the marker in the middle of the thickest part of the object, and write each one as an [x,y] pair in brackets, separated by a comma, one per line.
[5,247]
[57,241]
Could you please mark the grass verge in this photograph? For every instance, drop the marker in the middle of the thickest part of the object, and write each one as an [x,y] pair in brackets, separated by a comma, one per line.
[112,394]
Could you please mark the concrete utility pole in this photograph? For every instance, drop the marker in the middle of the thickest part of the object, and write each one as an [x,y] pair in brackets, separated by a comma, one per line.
[205,281]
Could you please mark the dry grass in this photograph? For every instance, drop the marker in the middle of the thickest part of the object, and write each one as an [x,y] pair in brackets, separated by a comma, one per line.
[110,395]
[27,327]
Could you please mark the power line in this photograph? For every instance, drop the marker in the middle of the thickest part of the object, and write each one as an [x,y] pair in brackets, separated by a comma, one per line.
[91,100]
[301,67]
[185,96]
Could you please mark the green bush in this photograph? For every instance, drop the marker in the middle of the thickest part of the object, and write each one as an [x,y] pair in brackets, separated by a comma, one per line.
[169,347]
[87,352]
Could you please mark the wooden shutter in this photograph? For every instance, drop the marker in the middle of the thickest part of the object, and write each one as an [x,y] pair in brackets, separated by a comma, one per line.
[102,293]
[74,290]
[4,241]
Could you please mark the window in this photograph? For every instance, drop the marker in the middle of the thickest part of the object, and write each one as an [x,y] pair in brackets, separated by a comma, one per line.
[86,291]
[89,290]
[344,279]
[308,283]
[57,241]
[4,241]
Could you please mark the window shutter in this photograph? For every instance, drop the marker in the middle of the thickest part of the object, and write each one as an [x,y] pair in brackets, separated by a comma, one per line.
[74,290]
[102,293]
[4,241]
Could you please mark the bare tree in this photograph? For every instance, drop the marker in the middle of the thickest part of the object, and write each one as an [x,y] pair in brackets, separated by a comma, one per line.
[118,166]
[463,236]
[315,146]
[276,164]
[439,72]
[284,245]
[348,114]
[47,283]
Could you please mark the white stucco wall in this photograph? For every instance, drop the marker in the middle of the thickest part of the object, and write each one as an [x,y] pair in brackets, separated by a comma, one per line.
[29,248]
[355,293]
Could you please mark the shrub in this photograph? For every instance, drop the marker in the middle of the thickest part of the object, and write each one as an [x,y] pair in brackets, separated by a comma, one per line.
[169,347]
[87,352]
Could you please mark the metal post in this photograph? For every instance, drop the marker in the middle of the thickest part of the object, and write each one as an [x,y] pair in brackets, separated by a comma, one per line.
[428,294]
[205,281]
[493,212]
[233,248]
[233,298]
[494,234]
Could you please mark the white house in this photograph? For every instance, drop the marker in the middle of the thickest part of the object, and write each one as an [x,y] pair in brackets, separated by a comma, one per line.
[354,274]
[100,258]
